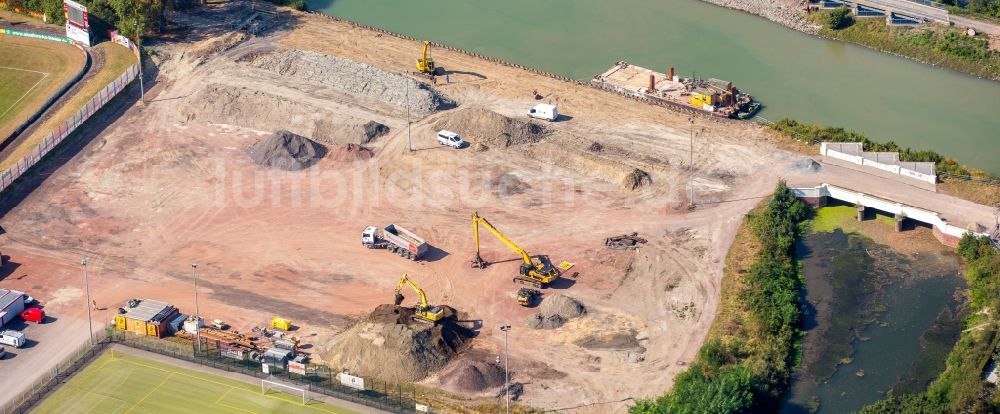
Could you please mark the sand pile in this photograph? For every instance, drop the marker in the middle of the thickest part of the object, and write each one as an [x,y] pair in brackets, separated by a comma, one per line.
[611,341]
[636,180]
[491,129]
[349,152]
[354,77]
[217,44]
[284,150]
[388,344]
[555,310]
[471,376]
[331,132]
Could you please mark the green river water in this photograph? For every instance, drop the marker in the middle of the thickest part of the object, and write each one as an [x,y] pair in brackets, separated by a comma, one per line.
[794,75]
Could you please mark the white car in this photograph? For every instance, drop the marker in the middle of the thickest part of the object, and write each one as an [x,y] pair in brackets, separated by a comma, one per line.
[450,139]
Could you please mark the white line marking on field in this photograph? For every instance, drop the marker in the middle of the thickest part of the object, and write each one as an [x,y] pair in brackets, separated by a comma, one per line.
[44,75]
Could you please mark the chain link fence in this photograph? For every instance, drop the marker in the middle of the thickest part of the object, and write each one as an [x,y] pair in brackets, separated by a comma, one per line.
[318,379]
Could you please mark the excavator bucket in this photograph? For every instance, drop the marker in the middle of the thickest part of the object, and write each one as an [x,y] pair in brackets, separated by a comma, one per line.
[479,263]
[399,299]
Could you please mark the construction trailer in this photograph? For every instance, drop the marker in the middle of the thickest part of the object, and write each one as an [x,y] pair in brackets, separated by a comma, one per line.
[11,305]
[145,317]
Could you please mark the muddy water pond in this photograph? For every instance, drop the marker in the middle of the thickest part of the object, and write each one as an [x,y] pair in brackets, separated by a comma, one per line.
[882,311]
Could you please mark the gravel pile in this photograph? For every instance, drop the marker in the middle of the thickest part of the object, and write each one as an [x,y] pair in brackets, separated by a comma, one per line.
[286,151]
[781,12]
[555,310]
[472,376]
[354,77]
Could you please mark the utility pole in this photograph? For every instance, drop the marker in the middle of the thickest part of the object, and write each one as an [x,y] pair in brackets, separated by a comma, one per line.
[691,164]
[409,142]
[197,311]
[506,366]
[86,286]
[138,56]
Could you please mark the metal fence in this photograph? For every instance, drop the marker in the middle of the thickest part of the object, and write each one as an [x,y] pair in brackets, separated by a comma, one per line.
[318,379]
[62,131]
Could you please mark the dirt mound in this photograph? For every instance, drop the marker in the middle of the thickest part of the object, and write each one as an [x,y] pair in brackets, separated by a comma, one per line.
[611,341]
[806,165]
[388,344]
[636,180]
[506,185]
[350,152]
[555,310]
[213,45]
[491,129]
[354,77]
[330,132]
[472,376]
[284,150]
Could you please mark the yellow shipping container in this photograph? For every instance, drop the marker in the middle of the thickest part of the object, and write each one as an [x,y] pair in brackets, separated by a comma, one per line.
[281,323]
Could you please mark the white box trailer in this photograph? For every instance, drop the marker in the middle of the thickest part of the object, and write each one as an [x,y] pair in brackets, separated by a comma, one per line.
[11,305]
[15,339]
[396,239]
[544,111]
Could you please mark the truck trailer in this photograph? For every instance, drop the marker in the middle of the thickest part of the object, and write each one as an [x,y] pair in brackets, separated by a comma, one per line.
[15,339]
[11,305]
[395,239]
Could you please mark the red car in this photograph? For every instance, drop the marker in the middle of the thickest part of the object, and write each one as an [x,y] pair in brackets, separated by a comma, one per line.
[33,315]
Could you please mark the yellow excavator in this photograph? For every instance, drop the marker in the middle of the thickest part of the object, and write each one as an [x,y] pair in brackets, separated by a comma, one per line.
[422,311]
[425,65]
[532,274]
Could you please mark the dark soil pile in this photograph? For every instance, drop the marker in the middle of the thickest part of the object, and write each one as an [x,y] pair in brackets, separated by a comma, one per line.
[490,129]
[636,180]
[507,185]
[472,376]
[555,310]
[284,150]
[389,344]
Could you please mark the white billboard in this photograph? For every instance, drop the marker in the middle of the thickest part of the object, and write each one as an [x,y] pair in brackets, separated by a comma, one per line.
[357,383]
[77,21]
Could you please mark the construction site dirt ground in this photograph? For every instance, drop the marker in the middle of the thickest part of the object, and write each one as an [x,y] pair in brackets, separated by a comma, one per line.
[159,188]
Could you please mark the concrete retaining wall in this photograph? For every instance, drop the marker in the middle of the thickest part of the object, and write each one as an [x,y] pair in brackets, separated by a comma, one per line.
[824,149]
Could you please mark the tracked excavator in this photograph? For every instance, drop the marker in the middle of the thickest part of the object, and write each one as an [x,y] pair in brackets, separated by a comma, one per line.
[422,311]
[531,273]
[425,65]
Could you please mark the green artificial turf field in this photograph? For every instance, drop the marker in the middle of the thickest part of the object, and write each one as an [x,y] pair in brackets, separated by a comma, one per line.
[118,382]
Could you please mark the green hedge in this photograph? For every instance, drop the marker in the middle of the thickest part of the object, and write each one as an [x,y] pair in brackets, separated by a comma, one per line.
[735,377]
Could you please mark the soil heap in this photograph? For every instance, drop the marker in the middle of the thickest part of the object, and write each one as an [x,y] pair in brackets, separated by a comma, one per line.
[331,132]
[471,376]
[350,152]
[555,310]
[490,129]
[284,150]
[388,344]
[636,180]
[355,77]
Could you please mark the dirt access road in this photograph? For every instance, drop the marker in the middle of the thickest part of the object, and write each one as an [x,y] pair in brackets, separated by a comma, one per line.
[170,183]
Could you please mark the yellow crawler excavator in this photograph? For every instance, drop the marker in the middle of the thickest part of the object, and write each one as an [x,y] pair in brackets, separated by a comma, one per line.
[425,65]
[532,274]
[422,311]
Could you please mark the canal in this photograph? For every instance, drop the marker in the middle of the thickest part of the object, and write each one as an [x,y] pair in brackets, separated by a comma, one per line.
[794,75]
[882,312]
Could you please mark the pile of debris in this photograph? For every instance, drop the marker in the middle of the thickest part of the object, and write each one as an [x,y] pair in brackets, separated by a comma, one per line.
[284,150]
[490,129]
[356,78]
[625,241]
[636,180]
[555,311]
[389,344]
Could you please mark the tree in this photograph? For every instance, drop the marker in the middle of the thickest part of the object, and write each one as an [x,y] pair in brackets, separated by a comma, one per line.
[839,18]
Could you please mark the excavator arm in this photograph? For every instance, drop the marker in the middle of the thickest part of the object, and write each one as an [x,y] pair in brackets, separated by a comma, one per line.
[479,221]
[405,280]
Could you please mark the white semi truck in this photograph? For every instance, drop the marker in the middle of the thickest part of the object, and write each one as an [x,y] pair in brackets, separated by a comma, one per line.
[395,239]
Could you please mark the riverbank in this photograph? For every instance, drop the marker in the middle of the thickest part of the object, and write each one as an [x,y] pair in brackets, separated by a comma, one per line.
[784,12]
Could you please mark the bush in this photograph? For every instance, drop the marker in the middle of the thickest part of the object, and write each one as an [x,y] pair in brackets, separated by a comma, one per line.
[839,18]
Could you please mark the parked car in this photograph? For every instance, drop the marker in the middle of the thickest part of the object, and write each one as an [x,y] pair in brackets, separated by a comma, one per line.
[35,315]
[450,139]
[13,338]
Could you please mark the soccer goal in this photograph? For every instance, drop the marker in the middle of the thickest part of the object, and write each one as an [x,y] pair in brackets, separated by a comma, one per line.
[266,386]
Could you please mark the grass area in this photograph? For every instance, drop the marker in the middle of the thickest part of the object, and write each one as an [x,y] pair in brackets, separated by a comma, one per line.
[934,44]
[117,59]
[845,218]
[31,71]
[118,382]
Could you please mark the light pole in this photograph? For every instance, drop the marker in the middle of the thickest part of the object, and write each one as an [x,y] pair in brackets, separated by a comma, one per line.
[691,148]
[86,286]
[409,142]
[506,366]
[138,56]
[197,311]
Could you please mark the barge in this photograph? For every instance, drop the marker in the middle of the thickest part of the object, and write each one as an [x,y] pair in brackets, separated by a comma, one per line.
[713,96]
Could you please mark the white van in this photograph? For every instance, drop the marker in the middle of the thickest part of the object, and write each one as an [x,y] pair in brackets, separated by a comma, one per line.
[544,111]
[450,139]
[13,338]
